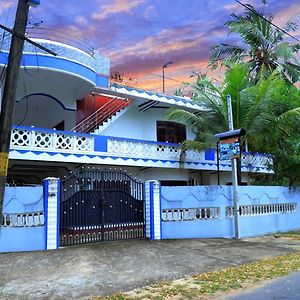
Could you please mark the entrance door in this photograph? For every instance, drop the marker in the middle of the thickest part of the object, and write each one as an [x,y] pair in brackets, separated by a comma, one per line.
[100,206]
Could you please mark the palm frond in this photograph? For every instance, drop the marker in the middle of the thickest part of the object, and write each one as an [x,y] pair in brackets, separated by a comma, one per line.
[182,116]
[230,53]
[288,122]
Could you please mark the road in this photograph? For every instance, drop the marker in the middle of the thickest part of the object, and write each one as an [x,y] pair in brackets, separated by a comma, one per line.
[279,289]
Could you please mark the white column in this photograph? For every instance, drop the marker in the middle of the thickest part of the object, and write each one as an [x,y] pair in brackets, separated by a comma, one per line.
[152,210]
[51,210]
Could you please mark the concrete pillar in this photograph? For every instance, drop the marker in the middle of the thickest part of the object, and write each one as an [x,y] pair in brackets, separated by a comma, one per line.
[51,210]
[152,210]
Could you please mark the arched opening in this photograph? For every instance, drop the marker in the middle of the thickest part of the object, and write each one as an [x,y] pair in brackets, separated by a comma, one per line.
[45,111]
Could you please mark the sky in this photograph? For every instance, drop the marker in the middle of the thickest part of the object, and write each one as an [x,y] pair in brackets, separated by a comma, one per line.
[140,36]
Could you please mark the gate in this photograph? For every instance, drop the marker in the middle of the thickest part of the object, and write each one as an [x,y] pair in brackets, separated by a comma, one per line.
[100,206]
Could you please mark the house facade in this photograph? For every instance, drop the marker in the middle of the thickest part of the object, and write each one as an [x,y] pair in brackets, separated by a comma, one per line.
[98,143]
[67,114]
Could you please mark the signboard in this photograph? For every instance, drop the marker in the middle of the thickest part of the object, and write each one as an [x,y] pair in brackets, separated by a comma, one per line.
[229,148]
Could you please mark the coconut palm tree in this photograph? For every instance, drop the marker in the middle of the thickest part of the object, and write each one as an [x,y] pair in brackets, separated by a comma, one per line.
[254,108]
[263,46]
[249,105]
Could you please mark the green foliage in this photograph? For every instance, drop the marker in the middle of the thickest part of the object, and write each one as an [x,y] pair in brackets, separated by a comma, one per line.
[263,48]
[268,110]
[282,137]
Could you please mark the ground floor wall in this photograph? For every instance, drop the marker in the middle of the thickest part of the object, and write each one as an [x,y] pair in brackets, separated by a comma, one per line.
[30,217]
[208,211]
[23,225]
[32,213]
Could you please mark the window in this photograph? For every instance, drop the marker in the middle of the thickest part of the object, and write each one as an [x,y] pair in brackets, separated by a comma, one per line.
[171,132]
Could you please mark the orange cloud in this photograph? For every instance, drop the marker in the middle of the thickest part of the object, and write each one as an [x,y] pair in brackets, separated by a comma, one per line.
[167,41]
[118,6]
[177,76]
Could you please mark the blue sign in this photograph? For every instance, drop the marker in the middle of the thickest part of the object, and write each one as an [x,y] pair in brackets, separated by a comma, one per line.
[230,148]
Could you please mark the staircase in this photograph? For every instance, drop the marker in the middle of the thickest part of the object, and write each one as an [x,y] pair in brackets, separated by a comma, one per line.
[103,114]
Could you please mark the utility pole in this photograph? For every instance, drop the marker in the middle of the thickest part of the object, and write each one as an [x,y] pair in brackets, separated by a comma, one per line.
[233,175]
[9,92]
[163,75]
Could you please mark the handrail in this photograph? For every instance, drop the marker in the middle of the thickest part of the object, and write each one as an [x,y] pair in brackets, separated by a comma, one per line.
[60,36]
[100,115]
[90,116]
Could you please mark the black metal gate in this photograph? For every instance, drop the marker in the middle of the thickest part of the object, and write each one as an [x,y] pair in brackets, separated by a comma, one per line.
[100,206]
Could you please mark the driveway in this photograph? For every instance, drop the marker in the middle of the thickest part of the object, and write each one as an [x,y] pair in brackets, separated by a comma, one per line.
[78,272]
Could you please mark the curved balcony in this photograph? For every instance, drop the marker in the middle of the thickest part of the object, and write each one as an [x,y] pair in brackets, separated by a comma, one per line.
[69,76]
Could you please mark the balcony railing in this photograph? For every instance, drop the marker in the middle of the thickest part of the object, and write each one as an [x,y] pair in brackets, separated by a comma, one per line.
[51,140]
[149,149]
[54,141]
[64,46]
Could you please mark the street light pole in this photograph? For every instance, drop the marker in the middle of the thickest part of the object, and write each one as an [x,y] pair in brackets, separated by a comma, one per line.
[163,74]
[233,175]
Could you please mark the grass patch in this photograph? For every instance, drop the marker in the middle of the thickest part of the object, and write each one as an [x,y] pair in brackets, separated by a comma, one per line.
[216,281]
[291,236]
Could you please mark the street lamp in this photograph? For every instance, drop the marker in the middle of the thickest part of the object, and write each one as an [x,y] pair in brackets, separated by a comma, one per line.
[163,74]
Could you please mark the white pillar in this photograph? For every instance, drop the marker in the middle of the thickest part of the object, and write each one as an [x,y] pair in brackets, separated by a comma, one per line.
[51,211]
[152,210]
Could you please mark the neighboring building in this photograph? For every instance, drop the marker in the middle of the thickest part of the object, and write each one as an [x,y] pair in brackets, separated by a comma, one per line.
[116,126]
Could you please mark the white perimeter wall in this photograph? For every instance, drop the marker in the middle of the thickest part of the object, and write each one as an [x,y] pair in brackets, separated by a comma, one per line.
[139,125]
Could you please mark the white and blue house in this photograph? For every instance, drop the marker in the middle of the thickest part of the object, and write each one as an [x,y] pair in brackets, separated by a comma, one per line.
[132,135]
[68,115]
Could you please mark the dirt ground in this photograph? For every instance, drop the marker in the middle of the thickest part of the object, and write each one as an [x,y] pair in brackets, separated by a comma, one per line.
[79,272]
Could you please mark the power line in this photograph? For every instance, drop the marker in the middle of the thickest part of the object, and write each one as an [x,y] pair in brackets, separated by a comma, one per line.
[270,22]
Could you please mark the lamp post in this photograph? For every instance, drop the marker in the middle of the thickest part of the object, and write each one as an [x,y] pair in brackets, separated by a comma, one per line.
[163,74]
[233,174]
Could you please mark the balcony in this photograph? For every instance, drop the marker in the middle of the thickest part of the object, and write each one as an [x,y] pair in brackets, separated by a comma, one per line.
[31,143]
[81,68]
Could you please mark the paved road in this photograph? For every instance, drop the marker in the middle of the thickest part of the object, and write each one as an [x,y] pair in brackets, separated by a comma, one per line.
[78,272]
[286,288]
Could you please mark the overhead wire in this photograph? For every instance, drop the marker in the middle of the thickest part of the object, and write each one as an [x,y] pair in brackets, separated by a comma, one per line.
[267,20]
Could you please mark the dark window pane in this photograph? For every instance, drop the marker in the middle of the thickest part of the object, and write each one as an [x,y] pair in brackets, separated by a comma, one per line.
[171,132]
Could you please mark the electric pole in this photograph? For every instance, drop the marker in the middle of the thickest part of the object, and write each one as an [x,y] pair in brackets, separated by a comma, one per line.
[233,176]
[9,92]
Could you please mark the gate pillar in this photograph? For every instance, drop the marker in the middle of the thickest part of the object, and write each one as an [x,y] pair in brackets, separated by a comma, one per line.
[152,210]
[51,212]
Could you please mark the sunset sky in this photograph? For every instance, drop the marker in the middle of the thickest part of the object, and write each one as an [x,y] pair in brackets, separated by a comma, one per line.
[139,36]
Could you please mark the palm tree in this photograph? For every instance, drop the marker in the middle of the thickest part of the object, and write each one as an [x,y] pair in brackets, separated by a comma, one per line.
[254,109]
[249,104]
[263,47]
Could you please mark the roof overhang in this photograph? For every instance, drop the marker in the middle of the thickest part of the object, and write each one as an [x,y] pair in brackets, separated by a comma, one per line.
[141,96]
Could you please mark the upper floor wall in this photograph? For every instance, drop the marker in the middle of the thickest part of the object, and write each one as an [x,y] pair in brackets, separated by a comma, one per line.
[70,75]
[136,124]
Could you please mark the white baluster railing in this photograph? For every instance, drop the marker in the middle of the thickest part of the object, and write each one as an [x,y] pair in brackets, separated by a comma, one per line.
[148,149]
[70,142]
[32,219]
[50,140]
